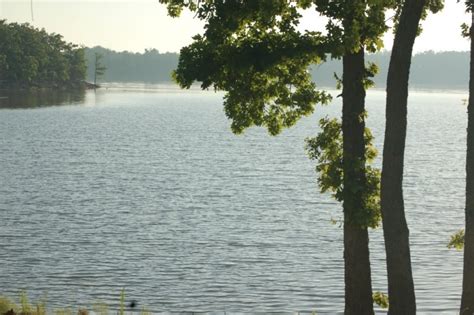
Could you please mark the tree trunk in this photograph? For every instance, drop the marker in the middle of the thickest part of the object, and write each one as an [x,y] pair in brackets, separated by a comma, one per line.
[358,286]
[401,290]
[467,301]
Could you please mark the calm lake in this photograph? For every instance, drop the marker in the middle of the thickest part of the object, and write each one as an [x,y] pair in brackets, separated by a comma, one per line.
[147,189]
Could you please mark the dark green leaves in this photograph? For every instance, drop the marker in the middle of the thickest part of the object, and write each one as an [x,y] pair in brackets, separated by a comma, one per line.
[353,24]
[469,5]
[30,57]
[254,52]
[465,30]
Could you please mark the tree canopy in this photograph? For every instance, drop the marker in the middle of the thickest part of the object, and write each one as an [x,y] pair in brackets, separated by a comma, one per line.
[258,56]
[30,57]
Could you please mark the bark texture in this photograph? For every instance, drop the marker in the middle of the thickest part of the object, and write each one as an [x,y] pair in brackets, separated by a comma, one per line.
[467,300]
[358,286]
[401,290]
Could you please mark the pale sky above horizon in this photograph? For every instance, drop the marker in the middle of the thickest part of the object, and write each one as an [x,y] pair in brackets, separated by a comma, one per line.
[135,25]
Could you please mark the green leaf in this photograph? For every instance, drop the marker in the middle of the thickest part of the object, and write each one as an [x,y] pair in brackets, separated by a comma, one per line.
[457,240]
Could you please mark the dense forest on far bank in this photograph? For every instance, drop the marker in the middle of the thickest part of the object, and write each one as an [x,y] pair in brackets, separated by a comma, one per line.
[33,58]
[150,66]
[443,70]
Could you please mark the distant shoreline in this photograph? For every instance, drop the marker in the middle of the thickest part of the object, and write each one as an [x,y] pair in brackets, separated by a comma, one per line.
[174,88]
[429,70]
[170,85]
[83,85]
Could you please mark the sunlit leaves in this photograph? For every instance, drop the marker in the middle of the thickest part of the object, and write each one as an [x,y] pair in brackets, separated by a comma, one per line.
[326,150]
[457,240]
[381,299]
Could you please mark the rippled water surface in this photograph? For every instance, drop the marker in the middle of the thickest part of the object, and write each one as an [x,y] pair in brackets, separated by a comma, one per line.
[151,192]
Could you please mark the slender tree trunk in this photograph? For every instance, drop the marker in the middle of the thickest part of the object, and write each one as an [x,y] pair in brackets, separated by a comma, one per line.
[358,286]
[467,301]
[401,290]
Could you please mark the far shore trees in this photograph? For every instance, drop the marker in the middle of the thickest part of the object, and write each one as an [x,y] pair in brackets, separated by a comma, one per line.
[446,70]
[32,58]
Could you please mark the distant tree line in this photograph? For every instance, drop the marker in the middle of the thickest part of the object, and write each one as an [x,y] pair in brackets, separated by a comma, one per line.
[150,66]
[429,69]
[30,57]
[443,70]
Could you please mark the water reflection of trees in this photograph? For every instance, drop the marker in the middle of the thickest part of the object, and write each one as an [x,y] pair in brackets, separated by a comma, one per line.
[34,99]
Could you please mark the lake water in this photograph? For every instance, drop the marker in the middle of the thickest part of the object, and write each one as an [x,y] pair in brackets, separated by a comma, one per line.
[148,190]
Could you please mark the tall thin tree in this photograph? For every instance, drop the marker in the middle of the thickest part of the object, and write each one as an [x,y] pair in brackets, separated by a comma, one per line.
[401,290]
[467,299]
[358,280]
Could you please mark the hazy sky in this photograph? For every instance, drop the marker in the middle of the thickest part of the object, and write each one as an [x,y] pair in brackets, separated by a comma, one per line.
[138,24]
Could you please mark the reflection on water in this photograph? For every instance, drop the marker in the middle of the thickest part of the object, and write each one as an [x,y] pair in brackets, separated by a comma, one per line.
[43,98]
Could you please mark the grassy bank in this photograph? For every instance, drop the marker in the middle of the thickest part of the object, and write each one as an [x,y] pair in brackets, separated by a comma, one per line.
[23,306]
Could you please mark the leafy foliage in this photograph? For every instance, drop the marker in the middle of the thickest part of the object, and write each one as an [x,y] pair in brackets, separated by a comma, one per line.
[433,6]
[30,57]
[326,149]
[469,5]
[358,23]
[465,30]
[254,51]
[381,299]
[457,240]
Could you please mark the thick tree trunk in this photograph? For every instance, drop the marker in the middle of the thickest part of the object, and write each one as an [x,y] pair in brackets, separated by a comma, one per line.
[467,301]
[401,290]
[358,286]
